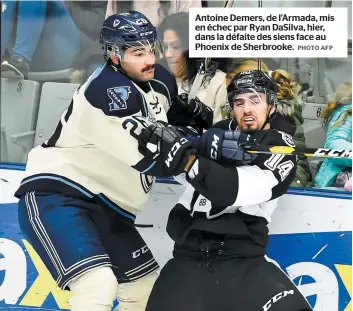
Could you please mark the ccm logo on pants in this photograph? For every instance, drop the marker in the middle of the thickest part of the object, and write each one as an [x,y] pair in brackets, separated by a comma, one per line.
[275,298]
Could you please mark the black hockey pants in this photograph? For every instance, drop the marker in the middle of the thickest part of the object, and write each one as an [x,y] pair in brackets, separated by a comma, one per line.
[207,278]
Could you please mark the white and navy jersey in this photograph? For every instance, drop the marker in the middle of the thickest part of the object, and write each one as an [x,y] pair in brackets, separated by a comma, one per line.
[235,201]
[93,153]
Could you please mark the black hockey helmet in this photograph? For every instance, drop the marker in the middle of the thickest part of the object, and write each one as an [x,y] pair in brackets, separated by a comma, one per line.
[123,30]
[252,81]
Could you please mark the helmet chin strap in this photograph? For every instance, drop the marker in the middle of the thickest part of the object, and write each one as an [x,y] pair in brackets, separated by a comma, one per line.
[272,104]
[269,117]
[266,121]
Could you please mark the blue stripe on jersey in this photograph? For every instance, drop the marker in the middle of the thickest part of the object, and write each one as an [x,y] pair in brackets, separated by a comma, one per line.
[170,100]
[148,168]
[58,179]
[95,74]
[86,193]
[118,210]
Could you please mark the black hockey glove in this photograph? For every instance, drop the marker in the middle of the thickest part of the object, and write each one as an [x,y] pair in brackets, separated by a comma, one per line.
[184,131]
[178,113]
[167,145]
[225,147]
[201,113]
[188,131]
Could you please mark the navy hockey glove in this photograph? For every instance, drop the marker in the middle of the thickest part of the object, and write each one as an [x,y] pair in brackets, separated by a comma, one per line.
[225,147]
[166,145]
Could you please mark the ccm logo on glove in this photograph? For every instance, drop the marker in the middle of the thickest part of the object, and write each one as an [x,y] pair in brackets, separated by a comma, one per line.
[174,150]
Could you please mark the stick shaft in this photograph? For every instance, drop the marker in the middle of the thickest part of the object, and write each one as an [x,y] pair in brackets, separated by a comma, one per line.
[309,152]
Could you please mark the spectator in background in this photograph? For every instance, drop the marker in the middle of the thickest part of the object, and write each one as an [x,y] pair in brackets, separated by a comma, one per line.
[337,119]
[88,17]
[154,10]
[289,117]
[174,32]
[45,37]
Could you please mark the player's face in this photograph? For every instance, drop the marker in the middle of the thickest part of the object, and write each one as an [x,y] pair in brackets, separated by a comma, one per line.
[173,51]
[250,111]
[138,62]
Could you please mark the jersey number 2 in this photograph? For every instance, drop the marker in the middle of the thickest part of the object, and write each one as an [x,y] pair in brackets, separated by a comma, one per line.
[134,124]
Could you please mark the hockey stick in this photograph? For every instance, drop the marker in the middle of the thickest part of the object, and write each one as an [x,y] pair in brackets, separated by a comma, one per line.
[309,152]
[203,68]
[198,79]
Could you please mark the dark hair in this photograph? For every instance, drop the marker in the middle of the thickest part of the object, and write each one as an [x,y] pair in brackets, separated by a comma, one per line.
[179,23]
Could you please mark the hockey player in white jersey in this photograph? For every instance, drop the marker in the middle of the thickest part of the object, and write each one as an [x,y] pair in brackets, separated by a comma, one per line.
[84,186]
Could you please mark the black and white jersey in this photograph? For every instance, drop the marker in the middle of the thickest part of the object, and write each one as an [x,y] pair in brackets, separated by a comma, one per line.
[234,200]
[93,153]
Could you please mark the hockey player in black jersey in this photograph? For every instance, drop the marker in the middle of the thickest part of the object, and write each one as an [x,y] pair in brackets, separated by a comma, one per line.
[84,186]
[220,223]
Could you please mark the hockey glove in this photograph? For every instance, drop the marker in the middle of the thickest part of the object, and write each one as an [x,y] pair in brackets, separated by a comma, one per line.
[184,131]
[178,113]
[166,145]
[225,147]
[188,132]
[201,113]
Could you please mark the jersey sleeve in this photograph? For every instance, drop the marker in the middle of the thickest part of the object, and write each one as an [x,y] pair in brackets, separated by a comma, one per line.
[268,178]
[113,115]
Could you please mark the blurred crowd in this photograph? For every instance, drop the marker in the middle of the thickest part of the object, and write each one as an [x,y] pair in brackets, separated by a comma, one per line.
[50,36]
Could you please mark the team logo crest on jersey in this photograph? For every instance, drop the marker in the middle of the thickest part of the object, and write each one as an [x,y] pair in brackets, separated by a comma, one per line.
[119,96]
[116,22]
[288,139]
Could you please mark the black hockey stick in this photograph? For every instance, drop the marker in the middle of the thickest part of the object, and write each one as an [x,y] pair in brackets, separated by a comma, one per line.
[309,152]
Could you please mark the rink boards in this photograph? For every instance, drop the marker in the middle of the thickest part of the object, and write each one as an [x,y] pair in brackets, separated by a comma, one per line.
[311,239]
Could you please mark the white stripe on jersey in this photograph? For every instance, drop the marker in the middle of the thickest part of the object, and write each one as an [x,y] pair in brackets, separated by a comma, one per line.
[194,170]
[255,185]
[255,189]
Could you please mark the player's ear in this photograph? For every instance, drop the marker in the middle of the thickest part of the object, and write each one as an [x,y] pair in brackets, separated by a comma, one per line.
[114,59]
[272,109]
